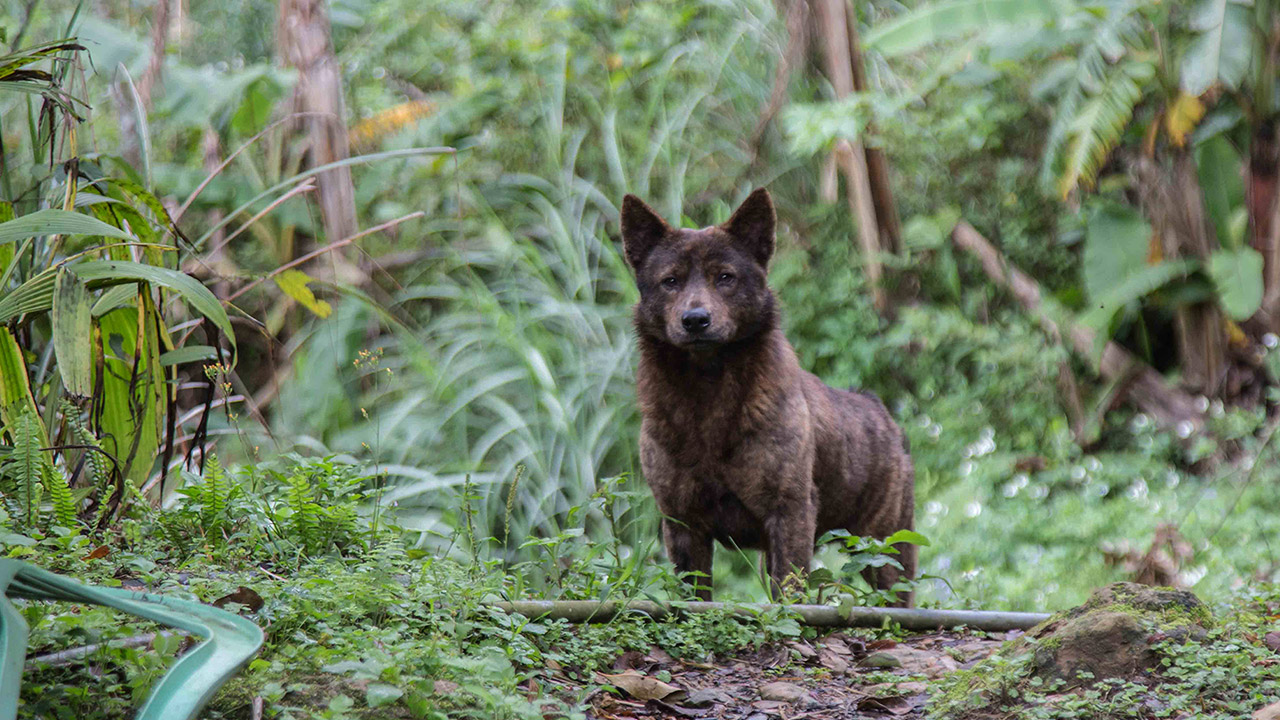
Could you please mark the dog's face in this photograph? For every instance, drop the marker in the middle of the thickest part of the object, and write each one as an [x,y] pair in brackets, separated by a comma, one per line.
[700,289]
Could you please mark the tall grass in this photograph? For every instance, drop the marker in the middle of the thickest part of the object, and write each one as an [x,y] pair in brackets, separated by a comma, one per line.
[520,348]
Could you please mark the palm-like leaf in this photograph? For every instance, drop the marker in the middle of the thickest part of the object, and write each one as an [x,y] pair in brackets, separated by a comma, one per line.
[1107,38]
[933,22]
[1096,127]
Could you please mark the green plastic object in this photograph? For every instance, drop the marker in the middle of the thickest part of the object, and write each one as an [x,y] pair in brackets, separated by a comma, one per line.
[230,640]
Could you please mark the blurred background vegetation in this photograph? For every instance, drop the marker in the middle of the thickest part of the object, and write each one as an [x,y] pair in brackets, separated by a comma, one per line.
[403,220]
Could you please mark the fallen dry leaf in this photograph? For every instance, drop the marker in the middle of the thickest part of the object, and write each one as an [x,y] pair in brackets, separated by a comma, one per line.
[707,696]
[658,655]
[831,661]
[444,687]
[803,650]
[241,596]
[640,687]
[836,645]
[629,660]
[1270,712]
[99,552]
[1272,640]
[783,691]
[891,705]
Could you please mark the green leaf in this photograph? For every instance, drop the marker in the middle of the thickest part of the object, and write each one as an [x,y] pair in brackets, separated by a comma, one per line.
[1116,242]
[937,21]
[15,388]
[1219,165]
[72,333]
[57,222]
[379,694]
[117,296]
[34,295]
[1137,285]
[294,284]
[99,273]
[1238,277]
[1221,53]
[819,577]
[189,354]
[129,416]
[907,536]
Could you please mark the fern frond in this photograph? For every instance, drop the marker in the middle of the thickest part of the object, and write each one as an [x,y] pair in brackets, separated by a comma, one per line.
[1097,127]
[59,492]
[216,498]
[25,467]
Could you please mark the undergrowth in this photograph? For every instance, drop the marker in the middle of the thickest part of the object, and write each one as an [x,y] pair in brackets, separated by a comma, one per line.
[358,622]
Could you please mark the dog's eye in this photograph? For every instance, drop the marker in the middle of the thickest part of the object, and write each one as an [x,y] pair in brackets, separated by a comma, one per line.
[669,282]
[725,278]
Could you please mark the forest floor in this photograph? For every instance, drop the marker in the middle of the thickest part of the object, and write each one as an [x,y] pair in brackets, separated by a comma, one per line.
[836,676]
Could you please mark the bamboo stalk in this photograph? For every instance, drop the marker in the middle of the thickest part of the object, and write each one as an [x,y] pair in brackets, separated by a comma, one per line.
[72,655]
[590,611]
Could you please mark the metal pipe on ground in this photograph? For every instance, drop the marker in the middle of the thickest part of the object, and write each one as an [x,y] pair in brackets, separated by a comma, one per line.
[588,611]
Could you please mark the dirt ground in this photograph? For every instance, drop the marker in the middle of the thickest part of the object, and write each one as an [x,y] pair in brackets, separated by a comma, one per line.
[837,676]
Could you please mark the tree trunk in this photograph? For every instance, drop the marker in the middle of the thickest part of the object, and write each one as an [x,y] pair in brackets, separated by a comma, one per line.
[831,16]
[1261,195]
[153,76]
[877,163]
[304,43]
[1172,200]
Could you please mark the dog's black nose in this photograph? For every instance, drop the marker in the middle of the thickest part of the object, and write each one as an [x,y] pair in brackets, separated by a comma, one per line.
[695,320]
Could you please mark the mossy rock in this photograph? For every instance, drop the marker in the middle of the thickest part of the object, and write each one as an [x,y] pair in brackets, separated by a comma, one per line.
[1112,635]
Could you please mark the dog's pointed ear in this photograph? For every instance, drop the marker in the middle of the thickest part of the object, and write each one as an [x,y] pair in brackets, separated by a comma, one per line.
[752,225]
[642,230]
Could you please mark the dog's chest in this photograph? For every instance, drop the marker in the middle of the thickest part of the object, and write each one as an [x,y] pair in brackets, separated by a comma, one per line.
[702,470]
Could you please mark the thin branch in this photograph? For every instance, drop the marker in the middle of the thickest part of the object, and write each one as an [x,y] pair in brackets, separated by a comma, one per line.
[177,215]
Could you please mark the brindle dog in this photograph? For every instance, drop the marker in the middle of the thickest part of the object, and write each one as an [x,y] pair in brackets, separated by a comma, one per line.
[738,443]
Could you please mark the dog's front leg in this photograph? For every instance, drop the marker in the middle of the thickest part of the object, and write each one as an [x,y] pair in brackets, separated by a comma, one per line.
[690,551]
[789,548]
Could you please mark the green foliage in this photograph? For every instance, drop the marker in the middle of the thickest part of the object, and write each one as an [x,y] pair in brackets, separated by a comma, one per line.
[1222,50]
[859,554]
[1237,274]
[1218,166]
[24,471]
[368,632]
[937,21]
[51,291]
[283,512]
[318,508]
[517,347]
[1117,242]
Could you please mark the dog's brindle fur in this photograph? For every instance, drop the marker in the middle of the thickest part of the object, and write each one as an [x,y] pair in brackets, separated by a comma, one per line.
[738,443]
